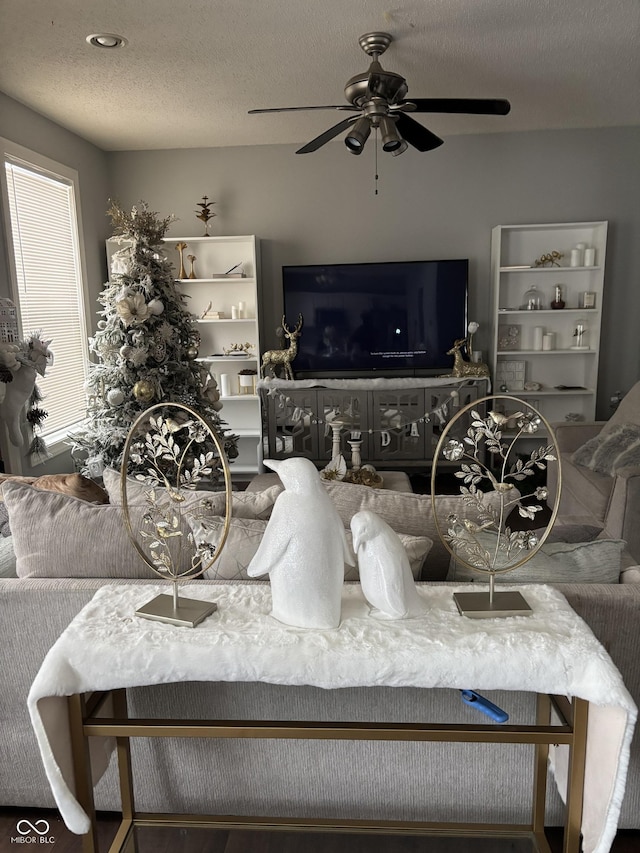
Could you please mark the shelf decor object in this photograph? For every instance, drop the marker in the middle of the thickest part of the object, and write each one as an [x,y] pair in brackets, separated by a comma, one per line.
[274,358]
[479,535]
[178,450]
[205,213]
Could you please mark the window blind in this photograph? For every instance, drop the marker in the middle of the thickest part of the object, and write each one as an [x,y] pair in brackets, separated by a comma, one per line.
[49,283]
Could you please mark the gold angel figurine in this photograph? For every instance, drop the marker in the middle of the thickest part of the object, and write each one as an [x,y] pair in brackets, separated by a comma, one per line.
[205,214]
[181,247]
[192,259]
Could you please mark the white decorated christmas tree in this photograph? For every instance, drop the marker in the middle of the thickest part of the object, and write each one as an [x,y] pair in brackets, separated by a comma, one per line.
[146,345]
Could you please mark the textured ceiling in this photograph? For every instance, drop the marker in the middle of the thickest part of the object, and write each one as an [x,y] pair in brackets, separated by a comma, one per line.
[193,68]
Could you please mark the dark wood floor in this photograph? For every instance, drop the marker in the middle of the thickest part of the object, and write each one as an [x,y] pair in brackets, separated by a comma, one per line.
[60,840]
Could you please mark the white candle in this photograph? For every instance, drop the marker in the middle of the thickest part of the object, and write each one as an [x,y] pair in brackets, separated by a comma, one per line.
[538,334]
[548,341]
[242,310]
[234,312]
[589,257]
[225,385]
[576,258]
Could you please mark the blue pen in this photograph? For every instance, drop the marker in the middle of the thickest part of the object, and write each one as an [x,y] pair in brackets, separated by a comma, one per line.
[481,703]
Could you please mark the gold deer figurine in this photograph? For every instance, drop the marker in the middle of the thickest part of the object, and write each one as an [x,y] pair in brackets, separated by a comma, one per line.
[463,368]
[283,357]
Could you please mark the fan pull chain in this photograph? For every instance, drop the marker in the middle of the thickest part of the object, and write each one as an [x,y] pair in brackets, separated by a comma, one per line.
[375,148]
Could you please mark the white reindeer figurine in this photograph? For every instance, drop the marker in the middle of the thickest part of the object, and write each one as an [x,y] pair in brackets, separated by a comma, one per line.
[283,357]
[465,368]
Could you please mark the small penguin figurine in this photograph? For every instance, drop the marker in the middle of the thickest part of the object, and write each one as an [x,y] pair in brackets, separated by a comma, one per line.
[385,573]
[304,549]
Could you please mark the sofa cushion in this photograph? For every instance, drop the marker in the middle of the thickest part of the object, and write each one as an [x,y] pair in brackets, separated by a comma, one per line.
[246,534]
[584,492]
[244,504]
[607,452]
[560,562]
[57,536]
[628,412]
[7,558]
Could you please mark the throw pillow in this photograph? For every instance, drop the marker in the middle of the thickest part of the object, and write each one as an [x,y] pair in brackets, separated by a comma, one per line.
[67,484]
[58,536]
[243,540]
[416,547]
[406,512]
[246,534]
[570,533]
[607,452]
[560,562]
[243,504]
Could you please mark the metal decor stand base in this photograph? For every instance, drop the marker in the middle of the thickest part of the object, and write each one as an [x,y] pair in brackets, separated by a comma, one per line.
[188,612]
[485,605]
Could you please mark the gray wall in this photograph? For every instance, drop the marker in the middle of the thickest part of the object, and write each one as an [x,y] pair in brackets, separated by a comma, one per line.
[321,207]
[25,127]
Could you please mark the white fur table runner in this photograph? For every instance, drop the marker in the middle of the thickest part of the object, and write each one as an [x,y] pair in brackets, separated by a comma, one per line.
[552,651]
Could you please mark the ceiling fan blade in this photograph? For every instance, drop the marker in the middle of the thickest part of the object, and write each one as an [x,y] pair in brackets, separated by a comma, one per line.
[295,109]
[415,134]
[319,141]
[471,106]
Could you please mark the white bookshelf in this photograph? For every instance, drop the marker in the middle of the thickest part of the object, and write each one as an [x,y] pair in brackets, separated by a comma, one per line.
[514,250]
[219,293]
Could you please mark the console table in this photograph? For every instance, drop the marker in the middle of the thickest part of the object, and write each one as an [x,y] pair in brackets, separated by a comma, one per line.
[399,421]
[106,648]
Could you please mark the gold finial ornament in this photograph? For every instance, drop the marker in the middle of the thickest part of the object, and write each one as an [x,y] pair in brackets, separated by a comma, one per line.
[192,260]
[180,247]
[205,214]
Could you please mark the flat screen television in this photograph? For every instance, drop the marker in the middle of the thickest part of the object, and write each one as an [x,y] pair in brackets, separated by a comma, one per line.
[395,318]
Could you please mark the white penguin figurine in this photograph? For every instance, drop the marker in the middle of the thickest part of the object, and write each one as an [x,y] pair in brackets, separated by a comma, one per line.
[304,549]
[385,573]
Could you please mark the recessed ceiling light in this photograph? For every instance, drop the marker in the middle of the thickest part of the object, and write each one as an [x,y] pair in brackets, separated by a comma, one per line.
[108,40]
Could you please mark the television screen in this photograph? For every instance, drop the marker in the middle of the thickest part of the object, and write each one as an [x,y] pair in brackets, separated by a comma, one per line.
[394,318]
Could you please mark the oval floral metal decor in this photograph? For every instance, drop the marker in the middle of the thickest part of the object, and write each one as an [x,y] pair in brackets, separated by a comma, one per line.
[172,450]
[484,437]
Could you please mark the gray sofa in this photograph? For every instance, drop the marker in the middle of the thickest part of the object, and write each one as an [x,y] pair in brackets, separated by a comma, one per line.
[593,495]
[255,777]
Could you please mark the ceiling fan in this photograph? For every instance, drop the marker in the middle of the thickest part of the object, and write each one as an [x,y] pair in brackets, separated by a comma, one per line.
[377,99]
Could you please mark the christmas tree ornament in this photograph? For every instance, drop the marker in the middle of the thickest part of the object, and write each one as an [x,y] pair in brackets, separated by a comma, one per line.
[132,309]
[115,397]
[144,391]
[156,307]
[192,352]
[159,351]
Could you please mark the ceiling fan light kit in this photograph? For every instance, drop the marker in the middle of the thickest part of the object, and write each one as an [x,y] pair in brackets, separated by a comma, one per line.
[378,98]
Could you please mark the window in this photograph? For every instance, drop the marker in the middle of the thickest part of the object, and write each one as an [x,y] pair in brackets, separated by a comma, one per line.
[47,276]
